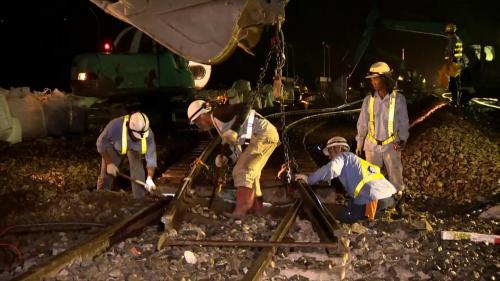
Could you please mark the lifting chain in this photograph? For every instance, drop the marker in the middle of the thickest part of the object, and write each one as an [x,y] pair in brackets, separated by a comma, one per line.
[280,63]
[278,46]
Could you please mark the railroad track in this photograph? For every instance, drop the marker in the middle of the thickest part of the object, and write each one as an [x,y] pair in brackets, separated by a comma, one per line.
[261,246]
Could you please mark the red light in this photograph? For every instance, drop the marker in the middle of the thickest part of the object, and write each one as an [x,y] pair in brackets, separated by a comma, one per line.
[107,47]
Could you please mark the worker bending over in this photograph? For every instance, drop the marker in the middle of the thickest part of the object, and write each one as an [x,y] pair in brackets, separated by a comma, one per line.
[369,192]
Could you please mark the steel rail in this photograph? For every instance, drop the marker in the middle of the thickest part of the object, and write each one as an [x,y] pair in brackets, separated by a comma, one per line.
[97,243]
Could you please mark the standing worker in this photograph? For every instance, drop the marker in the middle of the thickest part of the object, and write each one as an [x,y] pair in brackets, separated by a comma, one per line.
[383,127]
[369,192]
[130,135]
[454,63]
[239,126]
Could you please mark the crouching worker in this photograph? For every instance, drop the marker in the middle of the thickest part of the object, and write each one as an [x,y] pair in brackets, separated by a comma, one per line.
[369,192]
[239,126]
[130,135]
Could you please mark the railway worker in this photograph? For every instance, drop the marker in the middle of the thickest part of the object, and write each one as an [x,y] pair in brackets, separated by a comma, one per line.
[248,140]
[130,135]
[369,192]
[454,62]
[383,127]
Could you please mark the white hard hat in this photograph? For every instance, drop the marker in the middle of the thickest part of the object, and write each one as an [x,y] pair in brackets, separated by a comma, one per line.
[139,125]
[378,69]
[335,141]
[196,108]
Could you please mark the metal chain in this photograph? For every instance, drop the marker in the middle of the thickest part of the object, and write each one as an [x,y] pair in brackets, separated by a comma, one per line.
[262,74]
[280,63]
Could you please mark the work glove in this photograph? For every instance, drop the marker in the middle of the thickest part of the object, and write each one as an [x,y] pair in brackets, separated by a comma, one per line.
[221,160]
[230,137]
[301,177]
[111,169]
[150,185]
[359,149]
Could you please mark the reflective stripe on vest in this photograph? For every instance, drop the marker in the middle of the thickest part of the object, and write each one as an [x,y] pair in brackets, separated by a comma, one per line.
[390,121]
[248,135]
[144,146]
[367,175]
[457,51]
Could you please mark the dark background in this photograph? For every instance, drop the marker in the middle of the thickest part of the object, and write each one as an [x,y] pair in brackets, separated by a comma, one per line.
[39,38]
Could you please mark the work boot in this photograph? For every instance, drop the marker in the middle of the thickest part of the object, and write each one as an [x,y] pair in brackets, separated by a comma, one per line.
[400,205]
[244,201]
[258,205]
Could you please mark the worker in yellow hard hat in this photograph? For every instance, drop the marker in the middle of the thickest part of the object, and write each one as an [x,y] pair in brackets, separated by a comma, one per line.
[383,126]
[454,63]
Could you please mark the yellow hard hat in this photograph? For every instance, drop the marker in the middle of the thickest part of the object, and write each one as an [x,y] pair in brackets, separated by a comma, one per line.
[450,28]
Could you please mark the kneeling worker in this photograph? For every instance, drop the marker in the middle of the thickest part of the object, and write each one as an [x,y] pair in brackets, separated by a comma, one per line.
[130,135]
[239,125]
[368,190]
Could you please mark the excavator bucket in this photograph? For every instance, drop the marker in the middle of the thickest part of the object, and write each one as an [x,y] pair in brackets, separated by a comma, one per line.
[205,31]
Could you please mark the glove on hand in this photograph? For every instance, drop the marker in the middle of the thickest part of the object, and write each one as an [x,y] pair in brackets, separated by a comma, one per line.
[150,185]
[111,169]
[359,149]
[230,137]
[221,160]
[301,177]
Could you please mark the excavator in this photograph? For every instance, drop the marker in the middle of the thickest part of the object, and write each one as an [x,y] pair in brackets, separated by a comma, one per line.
[167,51]
[480,77]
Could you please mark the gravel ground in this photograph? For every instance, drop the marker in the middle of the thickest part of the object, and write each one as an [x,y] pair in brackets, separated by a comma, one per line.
[451,170]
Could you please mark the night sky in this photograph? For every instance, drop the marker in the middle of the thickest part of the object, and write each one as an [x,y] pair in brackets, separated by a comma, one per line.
[39,39]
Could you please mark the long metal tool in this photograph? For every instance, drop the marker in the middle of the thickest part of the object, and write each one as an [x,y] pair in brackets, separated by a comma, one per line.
[133,180]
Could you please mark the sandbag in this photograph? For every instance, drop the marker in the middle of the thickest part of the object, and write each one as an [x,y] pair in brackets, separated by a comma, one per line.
[5,116]
[28,109]
[77,119]
[16,132]
[56,107]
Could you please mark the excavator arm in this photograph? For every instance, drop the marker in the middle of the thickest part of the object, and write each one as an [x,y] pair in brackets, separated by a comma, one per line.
[205,31]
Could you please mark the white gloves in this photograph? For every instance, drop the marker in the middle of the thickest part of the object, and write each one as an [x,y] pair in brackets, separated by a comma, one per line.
[111,169]
[150,185]
[230,137]
[221,160]
[301,177]
[359,149]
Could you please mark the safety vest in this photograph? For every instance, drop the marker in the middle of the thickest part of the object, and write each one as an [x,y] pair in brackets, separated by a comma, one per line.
[369,172]
[144,146]
[457,51]
[390,121]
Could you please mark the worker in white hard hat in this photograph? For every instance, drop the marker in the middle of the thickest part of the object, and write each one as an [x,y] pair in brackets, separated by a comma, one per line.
[249,140]
[128,135]
[383,126]
[369,192]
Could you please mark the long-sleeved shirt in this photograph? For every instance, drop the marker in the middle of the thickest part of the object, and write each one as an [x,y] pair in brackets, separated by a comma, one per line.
[111,138]
[381,116]
[347,167]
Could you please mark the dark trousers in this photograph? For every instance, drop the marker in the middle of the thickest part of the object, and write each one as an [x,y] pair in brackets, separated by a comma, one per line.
[353,213]
[105,181]
[454,87]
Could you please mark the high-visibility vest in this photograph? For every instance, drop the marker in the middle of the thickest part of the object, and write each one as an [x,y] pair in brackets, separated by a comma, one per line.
[390,121]
[457,51]
[144,146]
[369,172]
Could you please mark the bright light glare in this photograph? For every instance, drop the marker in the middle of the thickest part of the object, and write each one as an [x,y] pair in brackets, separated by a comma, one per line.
[200,77]
[82,76]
